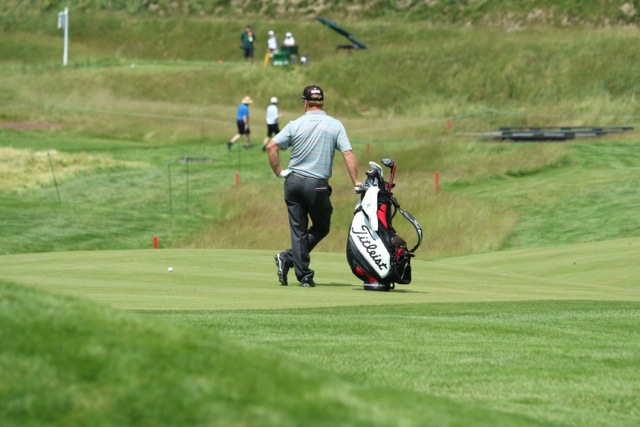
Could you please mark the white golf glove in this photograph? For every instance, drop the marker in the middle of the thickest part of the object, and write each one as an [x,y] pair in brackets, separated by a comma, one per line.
[284,173]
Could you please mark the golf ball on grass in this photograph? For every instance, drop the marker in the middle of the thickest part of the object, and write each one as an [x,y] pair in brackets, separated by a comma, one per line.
[170,269]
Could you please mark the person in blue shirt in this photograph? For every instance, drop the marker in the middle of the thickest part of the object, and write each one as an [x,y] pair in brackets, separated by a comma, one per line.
[314,139]
[242,122]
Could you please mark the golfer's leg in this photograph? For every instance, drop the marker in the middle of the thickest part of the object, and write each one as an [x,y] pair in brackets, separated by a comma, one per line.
[320,210]
[298,223]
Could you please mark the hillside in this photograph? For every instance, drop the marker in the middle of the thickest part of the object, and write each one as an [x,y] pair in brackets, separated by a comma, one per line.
[512,13]
[142,93]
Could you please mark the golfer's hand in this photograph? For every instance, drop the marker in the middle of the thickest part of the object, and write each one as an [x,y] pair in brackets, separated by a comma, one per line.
[284,173]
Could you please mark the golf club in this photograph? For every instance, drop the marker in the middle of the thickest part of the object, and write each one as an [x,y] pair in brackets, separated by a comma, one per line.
[391,165]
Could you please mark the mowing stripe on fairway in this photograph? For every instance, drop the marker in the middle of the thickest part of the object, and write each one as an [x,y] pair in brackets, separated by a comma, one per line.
[208,279]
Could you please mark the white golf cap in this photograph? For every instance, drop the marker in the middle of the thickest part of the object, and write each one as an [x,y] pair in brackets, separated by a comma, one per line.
[289,34]
[271,33]
[274,100]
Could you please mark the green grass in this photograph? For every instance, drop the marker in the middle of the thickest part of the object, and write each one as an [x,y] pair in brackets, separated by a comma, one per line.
[524,304]
[511,338]
[549,361]
[139,279]
[596,195]
[511,188]
[89,364]
[179,100]
[561,73]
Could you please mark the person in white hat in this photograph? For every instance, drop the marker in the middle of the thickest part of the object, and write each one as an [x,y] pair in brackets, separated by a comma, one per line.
[242,121]
[272,122]
[272,43]
[289,40]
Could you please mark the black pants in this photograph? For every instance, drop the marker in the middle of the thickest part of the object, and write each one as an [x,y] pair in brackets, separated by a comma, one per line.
[306,198]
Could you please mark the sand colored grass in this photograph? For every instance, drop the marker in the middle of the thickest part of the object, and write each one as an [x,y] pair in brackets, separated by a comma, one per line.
[26,169]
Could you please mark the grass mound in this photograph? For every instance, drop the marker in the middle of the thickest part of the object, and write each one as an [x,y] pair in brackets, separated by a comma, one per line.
[66,361]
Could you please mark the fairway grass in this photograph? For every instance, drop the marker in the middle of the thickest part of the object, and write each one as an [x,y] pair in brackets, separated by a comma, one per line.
[544,336]
[213,279]
[65,361]
[569,363]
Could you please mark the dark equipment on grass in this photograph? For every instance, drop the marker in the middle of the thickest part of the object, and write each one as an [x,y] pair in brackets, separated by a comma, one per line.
[355,44]
[552,133]
[375,252]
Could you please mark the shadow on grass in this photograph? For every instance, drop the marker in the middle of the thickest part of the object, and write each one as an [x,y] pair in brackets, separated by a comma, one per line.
[337,285]
[402,289]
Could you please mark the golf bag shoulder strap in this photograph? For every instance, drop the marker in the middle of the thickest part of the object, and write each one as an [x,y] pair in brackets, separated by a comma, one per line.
[415,224]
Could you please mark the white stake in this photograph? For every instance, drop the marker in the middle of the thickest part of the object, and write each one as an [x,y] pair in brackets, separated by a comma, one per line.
[63,22]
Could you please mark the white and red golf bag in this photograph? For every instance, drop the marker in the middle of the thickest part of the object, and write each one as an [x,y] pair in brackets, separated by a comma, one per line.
[375,252]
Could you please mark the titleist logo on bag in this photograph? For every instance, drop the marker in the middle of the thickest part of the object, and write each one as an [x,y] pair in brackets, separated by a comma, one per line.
[369,244]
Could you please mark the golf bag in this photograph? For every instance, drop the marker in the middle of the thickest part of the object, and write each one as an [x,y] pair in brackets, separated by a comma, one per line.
[375,252]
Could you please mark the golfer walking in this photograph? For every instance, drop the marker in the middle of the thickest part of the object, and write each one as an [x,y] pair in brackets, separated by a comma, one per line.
[314,139]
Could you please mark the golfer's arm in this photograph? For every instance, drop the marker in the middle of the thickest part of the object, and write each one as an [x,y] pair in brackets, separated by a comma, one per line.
[352,166]
[274,158]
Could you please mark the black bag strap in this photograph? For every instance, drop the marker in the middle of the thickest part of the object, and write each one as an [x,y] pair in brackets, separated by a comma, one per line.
[415,224]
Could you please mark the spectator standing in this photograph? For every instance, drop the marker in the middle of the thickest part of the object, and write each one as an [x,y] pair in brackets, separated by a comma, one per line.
[272,122]
[289,40]
[248,39]
[242,122]
[272,43]
[314,138]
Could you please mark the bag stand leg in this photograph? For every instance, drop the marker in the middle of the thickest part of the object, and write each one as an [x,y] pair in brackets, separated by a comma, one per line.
[378,287]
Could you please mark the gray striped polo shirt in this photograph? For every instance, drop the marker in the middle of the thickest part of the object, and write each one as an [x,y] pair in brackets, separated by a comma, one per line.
[314,138]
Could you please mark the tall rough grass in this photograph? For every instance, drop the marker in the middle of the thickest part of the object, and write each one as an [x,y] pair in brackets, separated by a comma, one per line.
[25,169]
[418,72]
[156,90]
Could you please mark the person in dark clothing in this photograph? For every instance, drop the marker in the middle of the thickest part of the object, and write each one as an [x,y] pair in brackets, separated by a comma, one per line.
[248,43]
